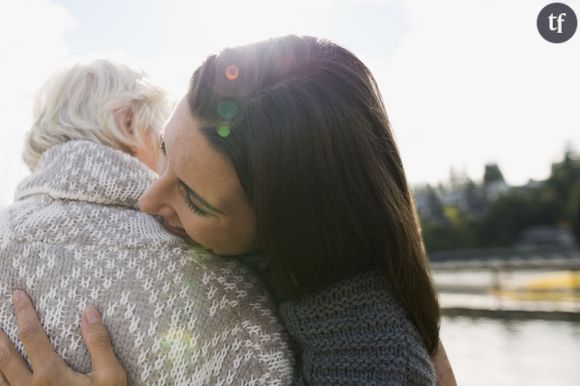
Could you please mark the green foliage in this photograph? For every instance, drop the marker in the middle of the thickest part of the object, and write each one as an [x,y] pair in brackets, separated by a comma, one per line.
[492,174]
[434,203]
[556,202]
[458,231]
[573,210]
[508,216]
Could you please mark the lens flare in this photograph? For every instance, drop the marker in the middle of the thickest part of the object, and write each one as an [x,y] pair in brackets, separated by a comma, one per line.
[223,131]
[232,72]
[175,342]
[227,110]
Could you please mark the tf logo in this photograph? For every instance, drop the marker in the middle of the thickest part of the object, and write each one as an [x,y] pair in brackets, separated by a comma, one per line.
[557,22]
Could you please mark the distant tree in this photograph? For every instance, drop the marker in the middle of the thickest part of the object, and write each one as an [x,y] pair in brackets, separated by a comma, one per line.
[555,202]
[441,188]
[546,207]
[552,204]
[435,236]
[457,179]
[492,174]
[476,199]
[572,213]
[459,231]
[435,206]
[508,216]
[564,175]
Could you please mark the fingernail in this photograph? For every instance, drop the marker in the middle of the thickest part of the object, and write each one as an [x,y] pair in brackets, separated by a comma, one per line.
[18,296]
[92,314]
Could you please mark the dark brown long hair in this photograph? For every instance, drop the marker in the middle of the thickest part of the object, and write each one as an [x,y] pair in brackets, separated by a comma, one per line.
[303,123]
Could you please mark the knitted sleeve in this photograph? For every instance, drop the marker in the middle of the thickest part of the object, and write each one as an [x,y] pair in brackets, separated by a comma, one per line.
[356,333]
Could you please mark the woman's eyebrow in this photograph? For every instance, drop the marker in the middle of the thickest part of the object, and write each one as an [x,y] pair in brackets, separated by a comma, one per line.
[199,198]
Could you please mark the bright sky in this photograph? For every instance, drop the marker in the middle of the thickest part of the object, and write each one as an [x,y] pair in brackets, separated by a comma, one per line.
[465,82]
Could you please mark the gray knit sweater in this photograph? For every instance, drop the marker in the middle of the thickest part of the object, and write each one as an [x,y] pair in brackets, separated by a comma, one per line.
[176,316]
[356,333]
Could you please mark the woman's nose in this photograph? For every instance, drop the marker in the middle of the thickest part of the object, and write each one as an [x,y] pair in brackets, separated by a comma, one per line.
[150,201]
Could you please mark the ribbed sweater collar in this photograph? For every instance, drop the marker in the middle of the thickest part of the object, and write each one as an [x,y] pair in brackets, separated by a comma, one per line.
[87,171]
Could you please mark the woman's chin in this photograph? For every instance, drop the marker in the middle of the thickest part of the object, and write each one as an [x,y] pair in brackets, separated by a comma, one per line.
[193,243]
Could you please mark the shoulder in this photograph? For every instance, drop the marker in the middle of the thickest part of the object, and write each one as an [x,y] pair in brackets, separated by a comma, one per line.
[243,331]
[363,297]
[357,332]
[66,222]
[162,301]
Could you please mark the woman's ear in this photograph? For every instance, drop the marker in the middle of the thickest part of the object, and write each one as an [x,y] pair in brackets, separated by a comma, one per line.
[145,148]
[124,121]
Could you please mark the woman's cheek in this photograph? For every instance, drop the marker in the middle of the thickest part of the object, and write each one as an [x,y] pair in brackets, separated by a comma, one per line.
[201,235]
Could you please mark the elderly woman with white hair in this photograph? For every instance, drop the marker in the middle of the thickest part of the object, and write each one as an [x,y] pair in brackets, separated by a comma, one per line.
[103,102]
[74,238]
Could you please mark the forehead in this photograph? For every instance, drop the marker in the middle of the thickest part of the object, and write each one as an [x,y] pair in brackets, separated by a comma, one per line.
[196,163]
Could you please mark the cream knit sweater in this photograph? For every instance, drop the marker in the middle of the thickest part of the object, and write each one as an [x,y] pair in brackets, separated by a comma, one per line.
[176,316]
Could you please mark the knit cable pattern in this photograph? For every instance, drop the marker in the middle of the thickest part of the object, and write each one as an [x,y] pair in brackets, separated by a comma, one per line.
[176,316]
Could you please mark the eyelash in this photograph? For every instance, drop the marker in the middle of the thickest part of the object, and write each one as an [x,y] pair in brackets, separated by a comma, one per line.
[194,208]
[190,203]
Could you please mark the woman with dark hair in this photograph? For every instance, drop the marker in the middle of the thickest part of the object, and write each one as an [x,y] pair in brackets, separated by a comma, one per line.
[284,148]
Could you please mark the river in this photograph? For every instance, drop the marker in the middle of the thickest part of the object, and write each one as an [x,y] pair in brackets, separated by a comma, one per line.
[485,352]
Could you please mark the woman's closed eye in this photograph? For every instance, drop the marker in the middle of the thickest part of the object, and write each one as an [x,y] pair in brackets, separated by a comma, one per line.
[184,189]
[196,209]
[190,197]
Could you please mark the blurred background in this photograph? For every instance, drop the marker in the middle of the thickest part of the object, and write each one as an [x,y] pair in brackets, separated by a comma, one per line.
[484,110]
